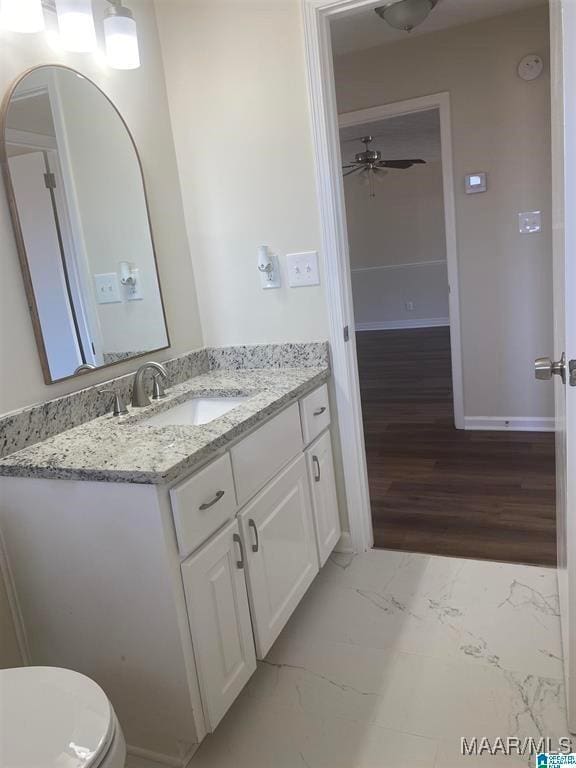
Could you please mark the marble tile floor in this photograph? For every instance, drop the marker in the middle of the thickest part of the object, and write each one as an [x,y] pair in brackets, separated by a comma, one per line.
[391,658]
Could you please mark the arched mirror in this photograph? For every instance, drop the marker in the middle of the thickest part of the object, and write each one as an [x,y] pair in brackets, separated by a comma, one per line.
[80,215]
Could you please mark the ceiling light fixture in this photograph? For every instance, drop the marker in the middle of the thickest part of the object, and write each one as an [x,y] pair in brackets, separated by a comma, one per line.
[76,24]
[405,14]
[121,37]
[22,15]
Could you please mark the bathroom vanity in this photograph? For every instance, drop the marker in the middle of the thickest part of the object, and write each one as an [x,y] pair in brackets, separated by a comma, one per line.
[163,559]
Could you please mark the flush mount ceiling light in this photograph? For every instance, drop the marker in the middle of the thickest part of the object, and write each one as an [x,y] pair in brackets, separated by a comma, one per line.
[22,15]
[405,14]
[121,37]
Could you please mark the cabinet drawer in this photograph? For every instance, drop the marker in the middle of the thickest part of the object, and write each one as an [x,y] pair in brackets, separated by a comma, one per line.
[263,453]
[203,503]
[315,413]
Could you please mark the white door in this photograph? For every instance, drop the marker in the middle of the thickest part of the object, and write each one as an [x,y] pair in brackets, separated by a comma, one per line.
[38,225]
[278,535]
[219,621]
[324,497]
[563,76]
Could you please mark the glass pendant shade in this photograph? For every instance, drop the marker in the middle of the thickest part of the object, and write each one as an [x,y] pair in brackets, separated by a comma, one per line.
[76,25]
[22,15]
[121,39]
[406,14]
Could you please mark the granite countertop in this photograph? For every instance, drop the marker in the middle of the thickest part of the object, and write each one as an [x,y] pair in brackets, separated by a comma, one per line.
[127,450]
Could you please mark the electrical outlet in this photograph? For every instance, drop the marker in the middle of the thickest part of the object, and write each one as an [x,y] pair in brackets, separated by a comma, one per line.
[410,306]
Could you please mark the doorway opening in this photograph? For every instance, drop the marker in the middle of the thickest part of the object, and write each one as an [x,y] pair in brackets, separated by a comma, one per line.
[448,201]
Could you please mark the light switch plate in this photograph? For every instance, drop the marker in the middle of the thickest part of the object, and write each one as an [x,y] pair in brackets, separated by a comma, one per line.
[529,222]
[303,269]
[107,288]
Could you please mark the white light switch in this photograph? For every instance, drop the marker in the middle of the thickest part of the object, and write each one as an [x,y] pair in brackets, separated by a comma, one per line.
[303,269]
[529,222]
[107,288]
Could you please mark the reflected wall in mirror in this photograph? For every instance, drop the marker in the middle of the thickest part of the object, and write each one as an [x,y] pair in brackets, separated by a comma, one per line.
[78,204]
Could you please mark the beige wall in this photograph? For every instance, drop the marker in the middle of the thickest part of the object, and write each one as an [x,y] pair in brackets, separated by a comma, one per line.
[398,247]
[500,125]
[141,98]
[402,224]
[237,92]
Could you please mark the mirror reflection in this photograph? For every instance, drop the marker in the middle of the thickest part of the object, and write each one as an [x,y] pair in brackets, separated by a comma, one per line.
[82,224]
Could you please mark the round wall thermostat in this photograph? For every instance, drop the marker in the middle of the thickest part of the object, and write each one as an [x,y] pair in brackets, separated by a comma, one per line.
[530,67]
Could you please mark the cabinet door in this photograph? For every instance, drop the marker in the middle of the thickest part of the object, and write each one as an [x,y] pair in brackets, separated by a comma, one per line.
[278,535]
[324,497]
[219,619]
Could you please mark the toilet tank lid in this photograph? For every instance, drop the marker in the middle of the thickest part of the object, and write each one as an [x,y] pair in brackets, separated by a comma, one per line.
[52,717]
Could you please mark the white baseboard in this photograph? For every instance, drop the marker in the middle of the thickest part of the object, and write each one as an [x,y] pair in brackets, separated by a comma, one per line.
[512,424]
[390,325]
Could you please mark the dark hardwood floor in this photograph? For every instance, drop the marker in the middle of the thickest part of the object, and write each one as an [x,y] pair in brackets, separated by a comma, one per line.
[439,490]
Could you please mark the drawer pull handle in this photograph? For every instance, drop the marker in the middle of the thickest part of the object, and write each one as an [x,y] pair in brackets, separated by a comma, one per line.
[208,504]
[319,411]
[238,540]
[256,546]
[317,466]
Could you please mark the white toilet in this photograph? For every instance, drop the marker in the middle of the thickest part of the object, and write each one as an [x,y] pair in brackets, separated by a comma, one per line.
[56,718]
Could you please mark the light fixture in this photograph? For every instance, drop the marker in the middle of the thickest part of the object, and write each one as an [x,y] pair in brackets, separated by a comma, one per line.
[268,268]
[121,37]
[405,14]
[76,25]
[22,15]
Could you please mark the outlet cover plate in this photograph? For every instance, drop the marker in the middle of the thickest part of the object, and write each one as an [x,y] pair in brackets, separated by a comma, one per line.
[529,222]
[303,269]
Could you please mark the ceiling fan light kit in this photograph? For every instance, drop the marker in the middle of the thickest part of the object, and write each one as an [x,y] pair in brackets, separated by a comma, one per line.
[405,14]
[370,165]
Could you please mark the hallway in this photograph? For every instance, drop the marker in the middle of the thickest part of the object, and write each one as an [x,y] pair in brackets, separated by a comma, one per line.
[438,490]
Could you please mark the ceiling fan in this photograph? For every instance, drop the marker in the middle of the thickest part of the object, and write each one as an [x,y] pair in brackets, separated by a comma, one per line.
[370,164]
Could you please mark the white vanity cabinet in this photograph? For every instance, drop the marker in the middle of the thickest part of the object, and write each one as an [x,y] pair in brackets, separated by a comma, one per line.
[324,498]
[219,621]
[281,560]
[167,594]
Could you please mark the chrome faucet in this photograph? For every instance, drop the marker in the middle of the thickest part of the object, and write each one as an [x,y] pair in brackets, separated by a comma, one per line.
[139,396]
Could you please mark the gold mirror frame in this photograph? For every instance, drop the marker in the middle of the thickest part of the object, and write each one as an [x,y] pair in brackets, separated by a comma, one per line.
[21,248]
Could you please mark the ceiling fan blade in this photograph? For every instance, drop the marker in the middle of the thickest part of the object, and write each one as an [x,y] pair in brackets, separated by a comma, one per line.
[401,164]
[354,170]
[351,165]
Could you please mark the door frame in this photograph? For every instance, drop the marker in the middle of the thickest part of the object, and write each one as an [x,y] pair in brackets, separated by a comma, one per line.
[334,238]
[441,102]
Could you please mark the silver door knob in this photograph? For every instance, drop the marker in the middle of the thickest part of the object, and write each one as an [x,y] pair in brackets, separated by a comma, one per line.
[544,368]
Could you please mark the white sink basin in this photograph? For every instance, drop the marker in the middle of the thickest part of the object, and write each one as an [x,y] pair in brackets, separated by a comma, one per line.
[197,410]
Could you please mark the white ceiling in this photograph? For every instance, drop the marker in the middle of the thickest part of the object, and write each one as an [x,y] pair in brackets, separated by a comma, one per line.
[364,29]
[406,136]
